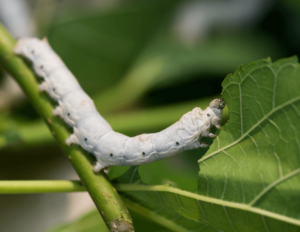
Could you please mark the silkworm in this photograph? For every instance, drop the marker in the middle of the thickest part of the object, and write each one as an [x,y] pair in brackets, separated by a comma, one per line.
[92,132]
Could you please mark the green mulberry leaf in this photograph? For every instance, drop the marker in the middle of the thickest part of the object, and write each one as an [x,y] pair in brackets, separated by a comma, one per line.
[249,178]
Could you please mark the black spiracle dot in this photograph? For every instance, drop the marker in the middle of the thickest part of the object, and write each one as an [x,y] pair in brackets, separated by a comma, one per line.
[111,154]
[53,89]
[177,143]
[208,115]
[41,66]
[85,139]
[68,114]
[143,153]
[32,52]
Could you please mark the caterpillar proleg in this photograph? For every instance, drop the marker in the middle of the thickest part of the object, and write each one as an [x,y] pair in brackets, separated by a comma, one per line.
[94,134]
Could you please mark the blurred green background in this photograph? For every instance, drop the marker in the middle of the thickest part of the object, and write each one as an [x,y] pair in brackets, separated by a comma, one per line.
[145,63]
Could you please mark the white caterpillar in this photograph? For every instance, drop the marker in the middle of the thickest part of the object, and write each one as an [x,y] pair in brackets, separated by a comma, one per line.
[94,134]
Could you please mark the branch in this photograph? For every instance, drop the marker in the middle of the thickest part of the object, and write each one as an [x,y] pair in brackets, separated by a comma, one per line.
[111,208]
[56,186]
[40,186]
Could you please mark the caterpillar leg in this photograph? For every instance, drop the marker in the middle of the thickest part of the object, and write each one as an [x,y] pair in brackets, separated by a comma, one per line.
[19,47]
[211,135]
[43,86]
[202,144]
[208,134]
[218,126]
[98,167]
[106,170]
[196,145]
[57,111]
[72,139]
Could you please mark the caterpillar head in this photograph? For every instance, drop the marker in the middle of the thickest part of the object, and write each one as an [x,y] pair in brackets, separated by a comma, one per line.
[217,106]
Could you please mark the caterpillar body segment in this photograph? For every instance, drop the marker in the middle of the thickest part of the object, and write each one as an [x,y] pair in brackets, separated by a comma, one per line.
[92,132]
[73,105]
[56,86]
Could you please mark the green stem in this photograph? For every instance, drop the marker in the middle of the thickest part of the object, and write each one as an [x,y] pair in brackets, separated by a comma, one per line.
[11,187]
[40,186]
[111,208]
[59,186]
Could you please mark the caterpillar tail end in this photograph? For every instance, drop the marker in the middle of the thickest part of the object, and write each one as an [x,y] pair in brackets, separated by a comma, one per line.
[71,139]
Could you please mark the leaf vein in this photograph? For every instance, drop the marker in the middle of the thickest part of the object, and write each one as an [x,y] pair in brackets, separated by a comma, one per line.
[252,128]
[272,185]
